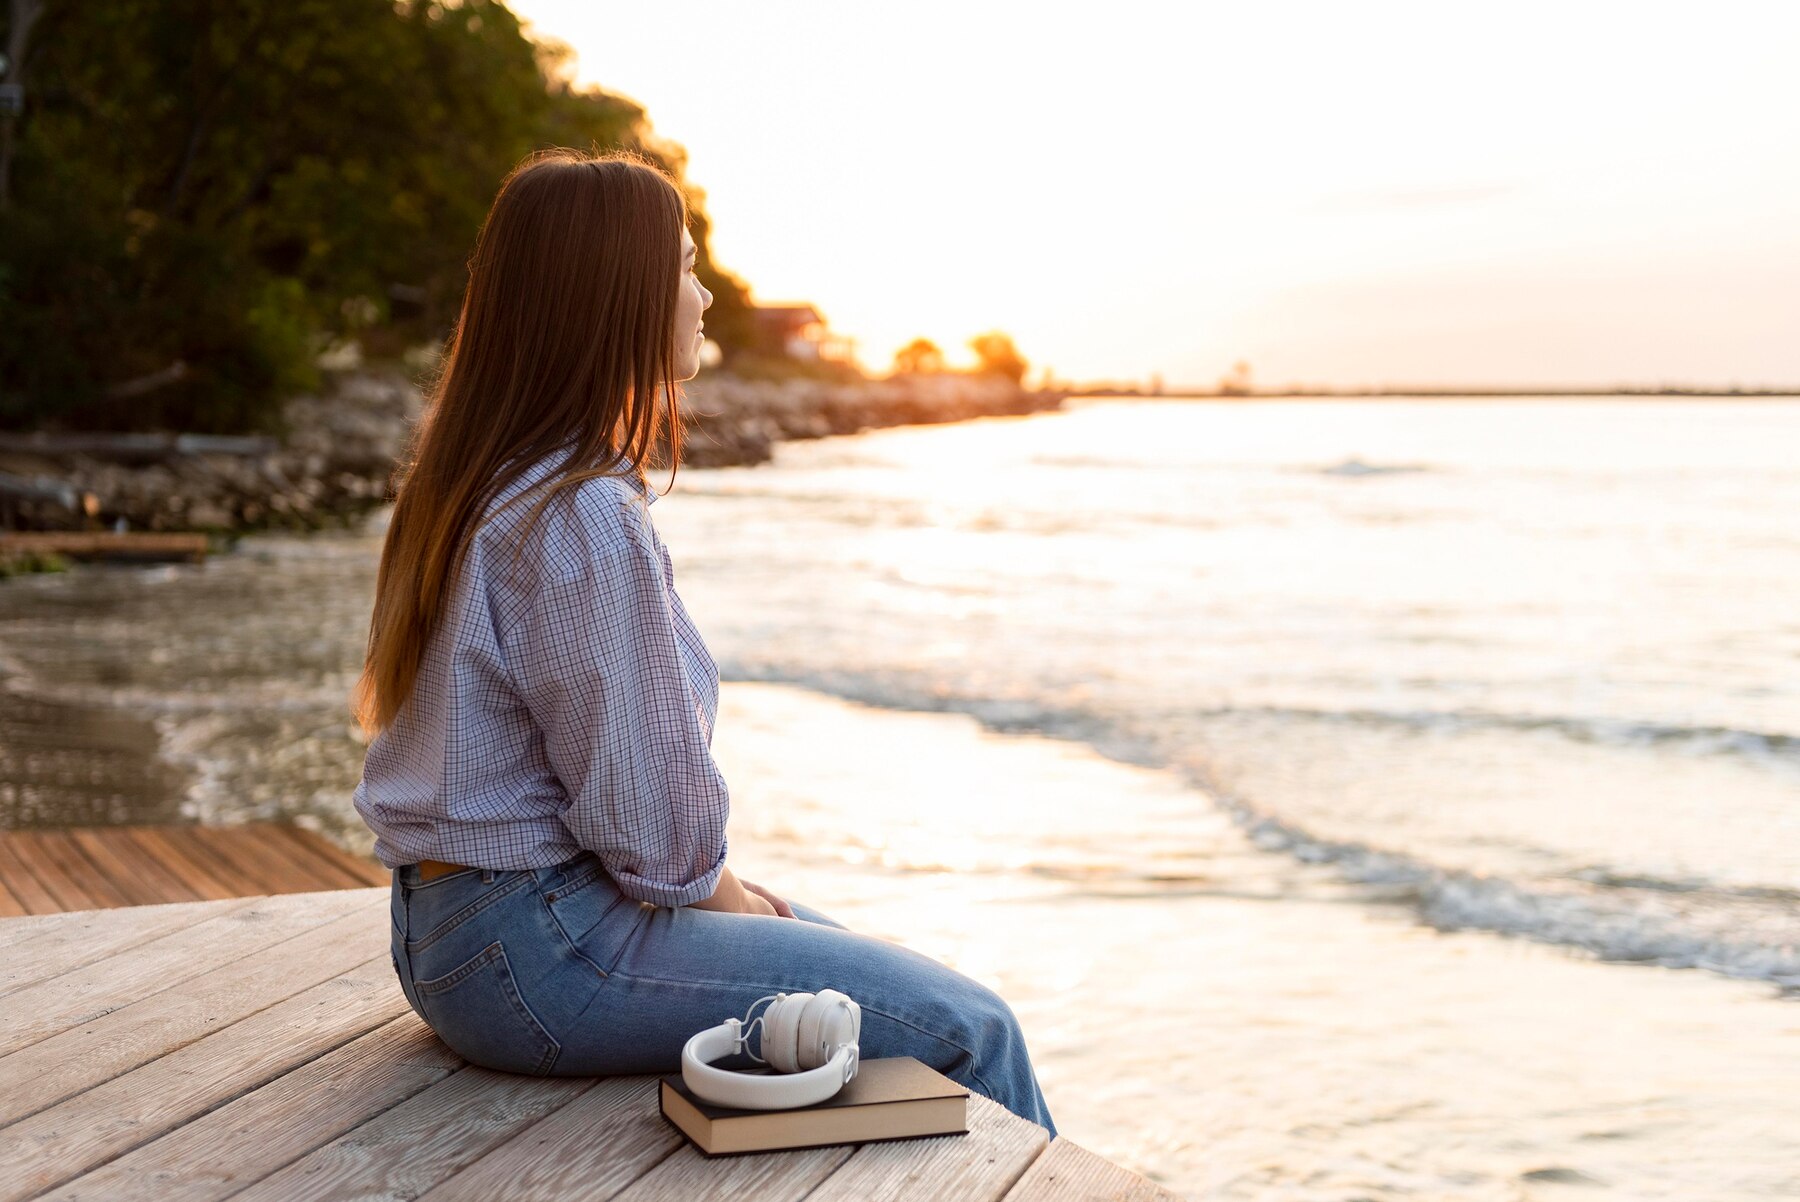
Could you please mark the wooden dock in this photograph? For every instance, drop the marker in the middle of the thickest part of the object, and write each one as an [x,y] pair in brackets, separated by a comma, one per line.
[90,868]
[261,1049]
[137,546]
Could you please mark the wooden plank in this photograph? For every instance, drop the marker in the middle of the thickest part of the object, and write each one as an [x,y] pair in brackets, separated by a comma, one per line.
[38,948]
[91,1128]
[65,874]
[71,859]
[283,840]
[229,846]
[191,866]
[1068,1172]
[22,883]
[131,544]
[11,906]
[567,1156]
[278,843]
[337,1090]
[36,862]
[240,1143]
[982,1164]
[430,1136]
[139,888]
[68,1062]
[765,1176]
[372,871]
[133,859]
[366,871]
[85,994]
[97,867]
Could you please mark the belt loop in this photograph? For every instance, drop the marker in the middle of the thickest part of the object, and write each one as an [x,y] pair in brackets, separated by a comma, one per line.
[487,876]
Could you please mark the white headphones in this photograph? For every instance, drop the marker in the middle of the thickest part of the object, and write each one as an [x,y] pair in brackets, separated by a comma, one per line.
[809,1039]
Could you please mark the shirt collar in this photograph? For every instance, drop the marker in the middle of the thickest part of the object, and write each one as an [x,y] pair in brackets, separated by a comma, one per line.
[649,494]
[644,490]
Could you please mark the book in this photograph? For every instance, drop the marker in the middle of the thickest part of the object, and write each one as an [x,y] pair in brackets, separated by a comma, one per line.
[892,1097]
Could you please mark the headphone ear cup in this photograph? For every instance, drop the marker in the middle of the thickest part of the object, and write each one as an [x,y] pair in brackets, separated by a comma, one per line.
[845,1024]
[807,1045]
[831,1018]
[780,1031]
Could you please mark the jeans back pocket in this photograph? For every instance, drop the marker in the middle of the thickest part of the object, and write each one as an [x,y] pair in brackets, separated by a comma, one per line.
[477,1011]
[437,909]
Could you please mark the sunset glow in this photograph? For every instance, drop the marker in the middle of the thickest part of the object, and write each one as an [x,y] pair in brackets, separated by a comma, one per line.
[1343,195]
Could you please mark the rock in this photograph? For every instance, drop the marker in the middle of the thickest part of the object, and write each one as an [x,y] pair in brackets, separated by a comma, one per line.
[338,454]
[208,514]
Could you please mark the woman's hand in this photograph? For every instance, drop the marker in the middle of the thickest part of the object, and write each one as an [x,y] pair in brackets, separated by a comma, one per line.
[761,901]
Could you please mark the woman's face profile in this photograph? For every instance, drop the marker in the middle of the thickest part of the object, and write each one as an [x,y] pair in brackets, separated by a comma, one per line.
[689,310]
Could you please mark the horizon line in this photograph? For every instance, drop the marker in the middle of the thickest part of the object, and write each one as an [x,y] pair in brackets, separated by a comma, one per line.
[1451,390]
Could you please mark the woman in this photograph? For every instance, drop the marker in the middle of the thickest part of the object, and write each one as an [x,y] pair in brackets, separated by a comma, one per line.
[539,774]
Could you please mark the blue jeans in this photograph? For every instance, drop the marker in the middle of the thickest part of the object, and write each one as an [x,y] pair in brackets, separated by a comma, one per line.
[554,971]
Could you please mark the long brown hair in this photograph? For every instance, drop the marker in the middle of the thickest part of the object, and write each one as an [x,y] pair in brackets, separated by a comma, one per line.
[566,337]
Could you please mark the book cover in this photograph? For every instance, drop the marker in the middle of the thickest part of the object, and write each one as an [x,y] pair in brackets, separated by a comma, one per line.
[893,1097]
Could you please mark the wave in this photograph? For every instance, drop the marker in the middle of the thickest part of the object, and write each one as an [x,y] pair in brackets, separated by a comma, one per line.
[1614,732]
[1085,726]
[1750,932]
[1602,918]
[1356,467]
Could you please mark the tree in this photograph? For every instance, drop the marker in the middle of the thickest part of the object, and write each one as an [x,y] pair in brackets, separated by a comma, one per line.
[997,356]
[204,193]
[921,355]
[21,16]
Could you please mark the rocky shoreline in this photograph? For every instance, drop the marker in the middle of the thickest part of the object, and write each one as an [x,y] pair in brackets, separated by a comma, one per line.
[337,458]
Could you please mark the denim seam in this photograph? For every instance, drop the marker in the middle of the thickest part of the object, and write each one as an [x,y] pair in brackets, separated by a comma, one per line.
[578,883]
[468,912]
[508,988]
[563,931]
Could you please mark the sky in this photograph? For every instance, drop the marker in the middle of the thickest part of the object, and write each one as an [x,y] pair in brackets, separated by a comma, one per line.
[1349,195]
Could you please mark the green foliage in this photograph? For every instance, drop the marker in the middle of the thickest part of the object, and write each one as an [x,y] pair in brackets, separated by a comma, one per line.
[24,563]
[205,194]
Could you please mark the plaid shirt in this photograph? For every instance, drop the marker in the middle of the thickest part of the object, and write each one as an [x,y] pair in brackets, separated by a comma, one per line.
[562,705]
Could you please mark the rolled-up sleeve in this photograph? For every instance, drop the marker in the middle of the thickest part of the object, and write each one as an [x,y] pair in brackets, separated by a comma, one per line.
[596,660]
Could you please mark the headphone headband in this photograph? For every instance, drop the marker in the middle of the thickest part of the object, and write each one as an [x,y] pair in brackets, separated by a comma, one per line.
[779,1090]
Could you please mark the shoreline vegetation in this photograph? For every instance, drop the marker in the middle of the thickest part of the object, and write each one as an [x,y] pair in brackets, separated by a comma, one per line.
[336,459]
[209,328]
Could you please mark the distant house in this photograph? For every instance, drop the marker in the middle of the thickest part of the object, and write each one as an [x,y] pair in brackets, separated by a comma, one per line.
[798,332]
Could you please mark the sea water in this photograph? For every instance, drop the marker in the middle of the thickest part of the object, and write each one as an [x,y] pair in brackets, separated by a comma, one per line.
[1406,797]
